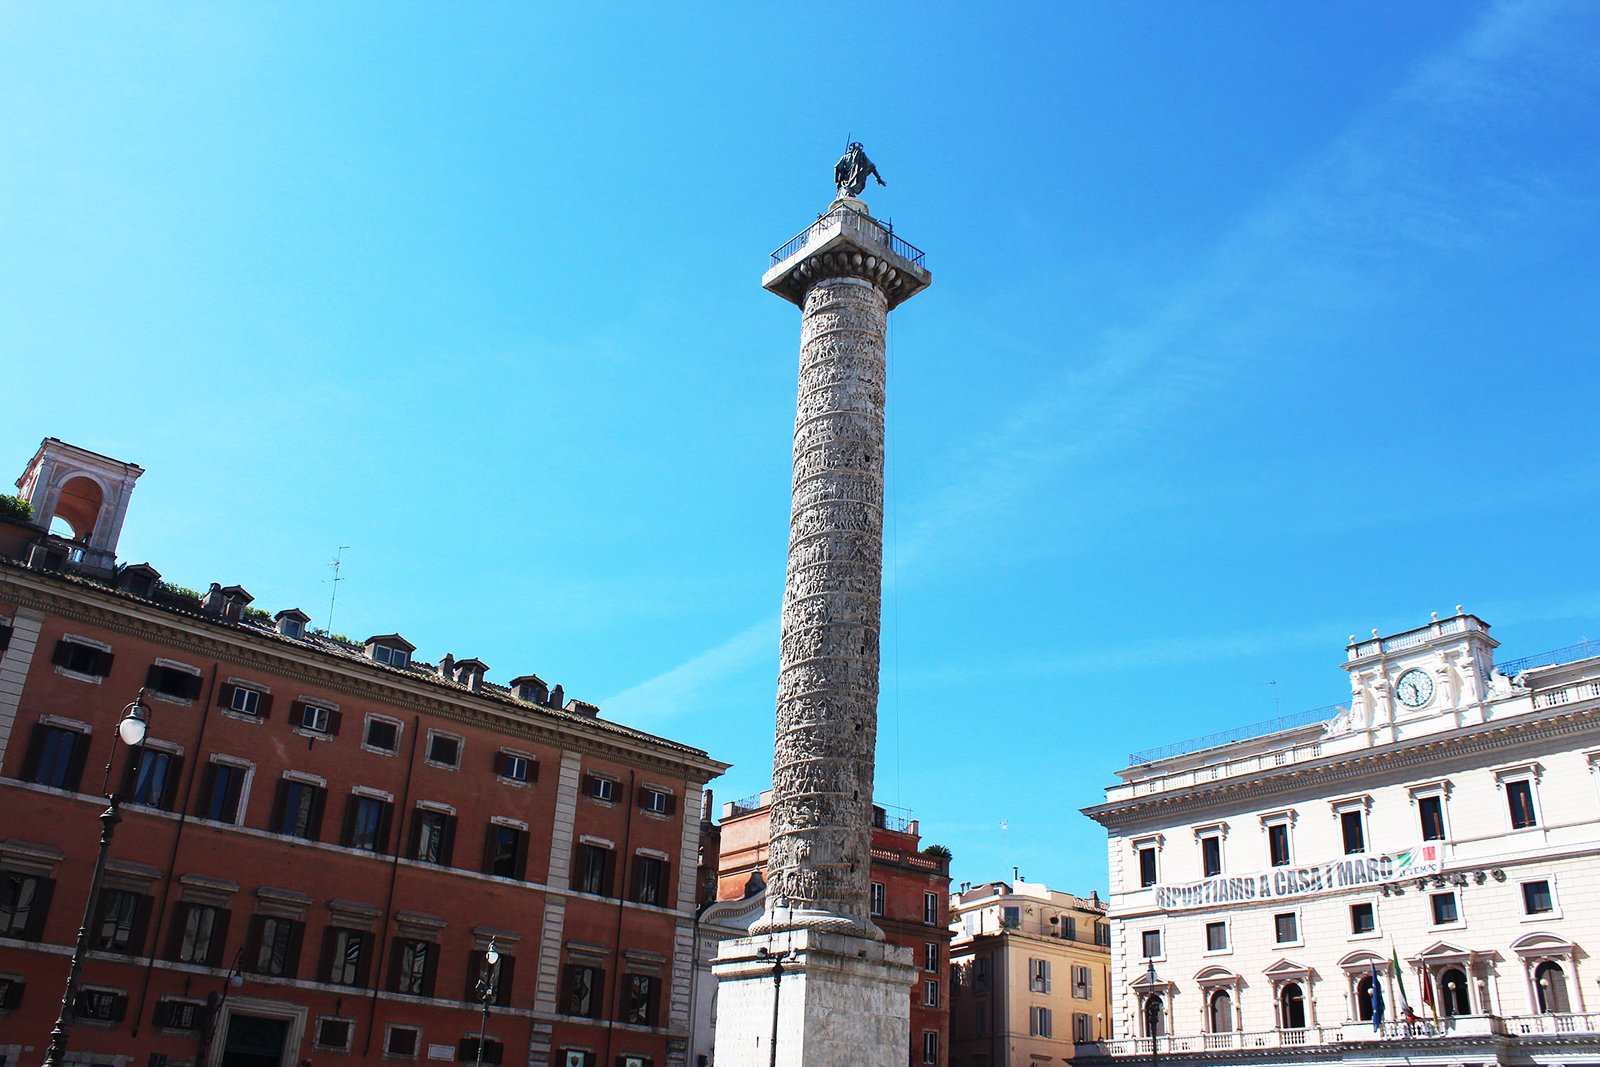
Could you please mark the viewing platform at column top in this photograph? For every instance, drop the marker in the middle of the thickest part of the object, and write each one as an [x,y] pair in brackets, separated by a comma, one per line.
[847,240]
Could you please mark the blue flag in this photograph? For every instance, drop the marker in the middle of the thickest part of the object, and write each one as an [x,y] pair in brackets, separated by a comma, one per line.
[1377,1000]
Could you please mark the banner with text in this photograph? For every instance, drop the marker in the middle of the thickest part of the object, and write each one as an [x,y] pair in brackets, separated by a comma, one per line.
[1281,883]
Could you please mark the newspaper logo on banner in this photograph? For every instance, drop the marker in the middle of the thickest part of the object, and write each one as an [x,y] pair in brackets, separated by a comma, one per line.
[1281,883]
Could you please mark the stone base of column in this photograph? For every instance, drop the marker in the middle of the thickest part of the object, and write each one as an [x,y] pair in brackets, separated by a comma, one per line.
[841,1001]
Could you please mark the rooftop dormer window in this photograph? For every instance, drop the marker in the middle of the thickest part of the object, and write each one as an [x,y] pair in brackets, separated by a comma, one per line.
[392,650]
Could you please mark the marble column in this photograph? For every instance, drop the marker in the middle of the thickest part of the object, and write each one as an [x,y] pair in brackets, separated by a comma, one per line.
[816,972]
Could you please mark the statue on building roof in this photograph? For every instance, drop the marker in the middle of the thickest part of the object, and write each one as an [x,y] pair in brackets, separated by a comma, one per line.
[850,174]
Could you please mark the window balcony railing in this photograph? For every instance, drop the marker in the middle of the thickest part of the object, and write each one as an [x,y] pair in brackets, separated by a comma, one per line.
[1487,1027]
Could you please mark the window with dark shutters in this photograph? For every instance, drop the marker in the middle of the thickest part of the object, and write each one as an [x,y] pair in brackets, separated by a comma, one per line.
[433,836]
[344,956]
[504,978]
[24,903]
[11,990]
[244,700]
[468,1052]
[101,1005]
[122,919]
[220,791]
[366,823]
[650,880]
[198,934]
[55,757]
[593,870]
[79,658]
[413,966]
[151,780]
[272,946]
[505,851]
[172,682]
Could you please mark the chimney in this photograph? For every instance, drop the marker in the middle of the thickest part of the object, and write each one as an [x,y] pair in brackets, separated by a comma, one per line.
[447,667]
[211,603]
[234,600]
[558,697]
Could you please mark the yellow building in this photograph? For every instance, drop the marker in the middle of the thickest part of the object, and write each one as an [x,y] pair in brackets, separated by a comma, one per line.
[1030,974]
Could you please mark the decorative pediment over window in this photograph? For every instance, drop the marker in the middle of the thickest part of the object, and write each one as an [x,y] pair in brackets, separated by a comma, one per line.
[1286,969]
[1542,945]
[1443,952]
[1216,976]
[1146,983]
[1364,961]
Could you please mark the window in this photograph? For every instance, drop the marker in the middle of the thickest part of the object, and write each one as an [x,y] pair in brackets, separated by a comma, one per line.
[24,901]
[316,719]
[1519,798]
[152,780]
[505,852]
[11,990]
[584,985]
[298,810]
[513,767]
[1211,855]
[198,933]
[274,946]
[401,1040]
[574,1057]
[1038,976]
[1352,829]
[1292,1007]
[121,923]
[1147,865]
[655,801]
[391,655]
[433,835]
[876,901]
[1430,812]
[383,735]
[1537,898]
[930,908]
[1010,917]
[639,996]
[1454,999]
[1102,934]
[55,757]
[1363,918]
[345,956]
[221,792]
[1444,909]
[244,701]
[930,956]
[1039,1022]
[1067,927]
[650,880]
[1082,981]
[930,994]
[179,683]
[1150,944]
[980,974]
[1217,937]
[101,1005]
[1278,844]
[598,788]
[468,1052]
[444,750]
[1082,1032]
[930,1046]
[1550,983]
[1286,928]
[77,657]
[332,1034]
[414,966]
[594,867]
[367,823]
[179,1015]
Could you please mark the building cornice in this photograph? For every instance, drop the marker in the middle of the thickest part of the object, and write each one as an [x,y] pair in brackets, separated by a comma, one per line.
[246,648]
[1558,722]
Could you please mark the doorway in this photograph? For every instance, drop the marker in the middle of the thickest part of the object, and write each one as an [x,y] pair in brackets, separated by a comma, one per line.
[255,1041]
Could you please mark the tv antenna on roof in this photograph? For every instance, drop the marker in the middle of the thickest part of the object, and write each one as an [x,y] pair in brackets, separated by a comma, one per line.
[338,561]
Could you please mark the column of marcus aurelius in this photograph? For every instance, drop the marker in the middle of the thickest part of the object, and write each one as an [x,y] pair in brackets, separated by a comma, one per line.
[816,974]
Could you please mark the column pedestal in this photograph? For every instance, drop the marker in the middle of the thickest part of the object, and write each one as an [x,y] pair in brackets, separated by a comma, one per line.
[842,1001]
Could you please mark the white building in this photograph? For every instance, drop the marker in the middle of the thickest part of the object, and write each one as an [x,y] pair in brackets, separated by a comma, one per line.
[1448,818]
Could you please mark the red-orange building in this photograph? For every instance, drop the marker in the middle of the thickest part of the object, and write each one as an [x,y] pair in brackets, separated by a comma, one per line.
[910,903]
[344,827]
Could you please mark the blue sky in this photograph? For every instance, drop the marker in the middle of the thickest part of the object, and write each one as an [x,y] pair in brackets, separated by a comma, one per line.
[1252,326]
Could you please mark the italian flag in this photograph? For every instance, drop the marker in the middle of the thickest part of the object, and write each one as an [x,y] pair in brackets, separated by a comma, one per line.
[1400,980]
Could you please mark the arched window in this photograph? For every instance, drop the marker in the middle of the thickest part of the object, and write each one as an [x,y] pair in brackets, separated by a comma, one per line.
[1291,1007]
[1364,999]
[1550,985]
[1219,1015]
[1453,995]
[1153,1009]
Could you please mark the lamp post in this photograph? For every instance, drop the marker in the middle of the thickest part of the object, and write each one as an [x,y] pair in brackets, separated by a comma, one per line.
[133,728]
[776,959]
[491,960]
[215,1002]
[1152,1018]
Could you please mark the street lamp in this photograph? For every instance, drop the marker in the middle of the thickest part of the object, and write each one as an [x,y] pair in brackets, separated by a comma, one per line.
[491,960]
[776,959]
[133,729]
[1152,1011]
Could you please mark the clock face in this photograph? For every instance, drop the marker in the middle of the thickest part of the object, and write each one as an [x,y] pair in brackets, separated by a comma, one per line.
[1415,688]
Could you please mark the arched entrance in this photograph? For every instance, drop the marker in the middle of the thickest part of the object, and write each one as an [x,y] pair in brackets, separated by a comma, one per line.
[1454,996]
[1219,1012]
[1550,986]
[1291,1007]
[1154,1012]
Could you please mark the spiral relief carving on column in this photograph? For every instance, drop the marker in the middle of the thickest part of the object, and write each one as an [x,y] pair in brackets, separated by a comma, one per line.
[818,868]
